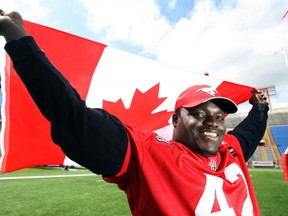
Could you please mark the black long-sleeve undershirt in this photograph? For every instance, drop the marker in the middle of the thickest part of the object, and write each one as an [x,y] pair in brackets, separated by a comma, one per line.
[250,131]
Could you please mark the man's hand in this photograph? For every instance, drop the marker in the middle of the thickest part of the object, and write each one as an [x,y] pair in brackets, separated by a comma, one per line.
[258,97]
[11,26]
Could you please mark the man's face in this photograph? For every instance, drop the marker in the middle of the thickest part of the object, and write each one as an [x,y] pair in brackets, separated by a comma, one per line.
[200,128]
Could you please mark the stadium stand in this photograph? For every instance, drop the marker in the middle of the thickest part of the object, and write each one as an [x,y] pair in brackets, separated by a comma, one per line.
[280,135]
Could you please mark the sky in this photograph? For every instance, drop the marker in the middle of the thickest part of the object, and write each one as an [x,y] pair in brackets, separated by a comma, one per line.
[242,41]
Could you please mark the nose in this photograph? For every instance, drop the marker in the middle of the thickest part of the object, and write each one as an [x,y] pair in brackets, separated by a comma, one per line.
[211,121]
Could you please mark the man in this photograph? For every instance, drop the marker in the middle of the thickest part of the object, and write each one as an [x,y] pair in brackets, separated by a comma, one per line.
[201,171]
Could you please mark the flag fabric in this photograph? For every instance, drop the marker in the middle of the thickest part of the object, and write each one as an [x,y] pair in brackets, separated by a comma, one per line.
[136,89]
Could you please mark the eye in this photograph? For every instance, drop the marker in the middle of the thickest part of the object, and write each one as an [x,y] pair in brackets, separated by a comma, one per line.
[199,114]
[220,117]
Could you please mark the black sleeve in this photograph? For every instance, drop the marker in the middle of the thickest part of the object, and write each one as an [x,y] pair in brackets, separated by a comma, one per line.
[251,130]
[91,137]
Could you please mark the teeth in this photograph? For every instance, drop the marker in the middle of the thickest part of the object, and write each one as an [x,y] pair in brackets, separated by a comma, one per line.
[210,134]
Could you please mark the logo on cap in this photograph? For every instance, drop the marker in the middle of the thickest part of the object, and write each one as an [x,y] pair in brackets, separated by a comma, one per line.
[210,91]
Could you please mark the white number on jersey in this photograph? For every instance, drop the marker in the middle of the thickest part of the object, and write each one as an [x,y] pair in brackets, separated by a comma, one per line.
[214,188]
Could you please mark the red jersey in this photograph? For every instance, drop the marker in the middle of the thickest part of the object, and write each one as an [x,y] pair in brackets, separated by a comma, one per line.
[163,177]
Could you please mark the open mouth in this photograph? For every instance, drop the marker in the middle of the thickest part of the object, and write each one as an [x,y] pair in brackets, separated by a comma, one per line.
[210,134]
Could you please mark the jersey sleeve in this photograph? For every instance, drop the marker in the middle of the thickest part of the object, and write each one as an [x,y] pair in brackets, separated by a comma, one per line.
[251,130]
[90,137]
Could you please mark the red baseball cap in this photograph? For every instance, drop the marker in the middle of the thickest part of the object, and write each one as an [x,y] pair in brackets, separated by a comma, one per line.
[198,94]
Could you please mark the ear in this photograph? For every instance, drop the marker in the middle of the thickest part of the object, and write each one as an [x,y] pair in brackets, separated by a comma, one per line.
[174,119]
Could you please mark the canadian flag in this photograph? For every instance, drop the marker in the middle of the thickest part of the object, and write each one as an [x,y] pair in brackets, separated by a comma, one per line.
[138,90]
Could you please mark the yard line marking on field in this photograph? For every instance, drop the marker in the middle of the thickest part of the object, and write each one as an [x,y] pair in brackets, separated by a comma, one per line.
[266,170]
[47,176]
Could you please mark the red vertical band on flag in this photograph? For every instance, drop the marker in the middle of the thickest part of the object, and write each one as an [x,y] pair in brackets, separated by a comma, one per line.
[27,140]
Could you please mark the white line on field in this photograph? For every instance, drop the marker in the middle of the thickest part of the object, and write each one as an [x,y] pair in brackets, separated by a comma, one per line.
[266,170]
[49,176]
[80,175]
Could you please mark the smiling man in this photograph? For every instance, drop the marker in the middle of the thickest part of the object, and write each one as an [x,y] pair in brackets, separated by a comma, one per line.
[201,171]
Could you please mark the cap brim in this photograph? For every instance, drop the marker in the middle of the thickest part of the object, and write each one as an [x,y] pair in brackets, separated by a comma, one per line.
[225,104]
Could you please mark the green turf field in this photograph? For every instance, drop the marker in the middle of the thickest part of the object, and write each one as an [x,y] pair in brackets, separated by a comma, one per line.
[88,194]
[271,191]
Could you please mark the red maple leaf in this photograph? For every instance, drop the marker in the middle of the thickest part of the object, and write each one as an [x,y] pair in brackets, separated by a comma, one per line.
[140,111]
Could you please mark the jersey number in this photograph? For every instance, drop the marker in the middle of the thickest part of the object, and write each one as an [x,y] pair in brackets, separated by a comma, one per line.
[214,186]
